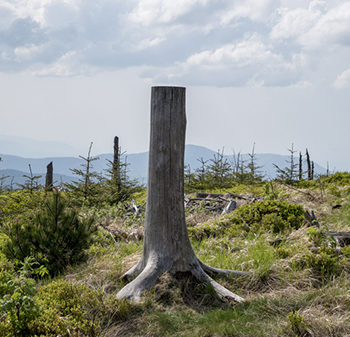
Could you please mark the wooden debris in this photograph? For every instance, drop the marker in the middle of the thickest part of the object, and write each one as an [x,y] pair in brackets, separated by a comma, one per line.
[311,219]
[342,238]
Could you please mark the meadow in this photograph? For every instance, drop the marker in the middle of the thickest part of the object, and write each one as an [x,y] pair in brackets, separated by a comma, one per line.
[297,269]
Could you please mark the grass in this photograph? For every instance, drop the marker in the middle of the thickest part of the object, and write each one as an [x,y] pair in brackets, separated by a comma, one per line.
[300,287]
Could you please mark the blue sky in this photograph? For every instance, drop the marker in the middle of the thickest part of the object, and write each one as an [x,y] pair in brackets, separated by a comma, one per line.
[269,72]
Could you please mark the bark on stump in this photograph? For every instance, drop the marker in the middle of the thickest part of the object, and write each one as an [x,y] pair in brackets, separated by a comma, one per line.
[49,177]
[166,242]
[116,163]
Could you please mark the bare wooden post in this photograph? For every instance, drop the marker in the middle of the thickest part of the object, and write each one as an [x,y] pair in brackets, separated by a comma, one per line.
[300,166]
[308,165]
[166,243]
[116,163]
[49,177]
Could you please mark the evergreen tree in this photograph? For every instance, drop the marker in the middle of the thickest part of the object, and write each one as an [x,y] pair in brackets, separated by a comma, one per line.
[253,173]
[118,186]
[31,184]
[87,187]
[290,173]
[219,171]
[55,235]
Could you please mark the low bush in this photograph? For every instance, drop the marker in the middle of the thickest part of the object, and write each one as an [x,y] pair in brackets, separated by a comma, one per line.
[18,303]
[75,310]
[55,236]
[261,217]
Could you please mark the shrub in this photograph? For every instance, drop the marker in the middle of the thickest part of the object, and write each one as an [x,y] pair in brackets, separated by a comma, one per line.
[261,217]
[339,178]
[64,309]
[18,303]
[75,310]
[55,236]
[297,324]
[324,258]
[270,215]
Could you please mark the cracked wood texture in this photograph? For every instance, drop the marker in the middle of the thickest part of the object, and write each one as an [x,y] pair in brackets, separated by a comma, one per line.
[166,244]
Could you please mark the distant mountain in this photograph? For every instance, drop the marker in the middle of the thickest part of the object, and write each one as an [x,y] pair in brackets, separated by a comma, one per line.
[32,148]
[15,177]
[16,166]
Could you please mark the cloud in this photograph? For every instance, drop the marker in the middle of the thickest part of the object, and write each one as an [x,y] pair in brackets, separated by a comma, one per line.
[256,10]
[150,12]
[221,42]
[343,80]
[315,27]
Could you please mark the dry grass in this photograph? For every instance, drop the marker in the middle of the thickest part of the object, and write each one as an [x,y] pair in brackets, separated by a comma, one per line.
[284,295]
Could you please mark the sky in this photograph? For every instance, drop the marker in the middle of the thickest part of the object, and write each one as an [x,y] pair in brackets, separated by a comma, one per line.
[267,72]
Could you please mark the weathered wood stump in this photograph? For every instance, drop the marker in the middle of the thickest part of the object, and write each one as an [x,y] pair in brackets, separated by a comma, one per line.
[166,242]
[49,177]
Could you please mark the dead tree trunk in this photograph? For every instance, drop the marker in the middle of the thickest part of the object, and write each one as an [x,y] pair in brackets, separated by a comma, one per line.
[166,243]
[49,177]
[308,165]
[116,163]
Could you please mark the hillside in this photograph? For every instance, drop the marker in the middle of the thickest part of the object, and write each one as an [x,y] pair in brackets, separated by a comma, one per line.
[297,280]
[137,164]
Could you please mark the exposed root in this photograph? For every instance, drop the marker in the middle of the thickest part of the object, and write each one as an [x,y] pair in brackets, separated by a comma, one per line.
[211,271]
[149,275]
[133,272]
[221,291]
[145,280]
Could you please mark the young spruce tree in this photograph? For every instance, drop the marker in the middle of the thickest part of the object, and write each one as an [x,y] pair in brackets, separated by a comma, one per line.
[56,236]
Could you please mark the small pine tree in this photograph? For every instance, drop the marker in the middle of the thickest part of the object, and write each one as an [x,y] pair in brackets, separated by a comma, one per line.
[118,186]
[86,188]
[253,174]
[31,184]
[55,235]
[290,173]
[219,171]
[201,174]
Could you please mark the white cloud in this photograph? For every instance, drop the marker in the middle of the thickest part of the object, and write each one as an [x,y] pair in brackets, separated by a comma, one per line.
[149,12]
[294,23]
[256,10]
[67,65]
[316,27]
[259,42]
[343,80]
[242,54]
[27,52]
[332,28]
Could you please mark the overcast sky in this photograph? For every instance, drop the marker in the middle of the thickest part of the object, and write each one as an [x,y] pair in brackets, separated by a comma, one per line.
[269,72]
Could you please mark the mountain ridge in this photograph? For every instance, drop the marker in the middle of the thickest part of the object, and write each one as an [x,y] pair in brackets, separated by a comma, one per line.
[137,164]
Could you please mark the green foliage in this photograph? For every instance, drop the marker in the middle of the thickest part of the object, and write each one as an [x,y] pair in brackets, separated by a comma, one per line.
[31,184]
[19,203]
[261,217]
[86,188]
[324,259]
[219,173]
[339,178]
[55,235]
[118,186]
[92,188]
[211,174]
[73,310]
[18,302]
[296,323]
[288,174]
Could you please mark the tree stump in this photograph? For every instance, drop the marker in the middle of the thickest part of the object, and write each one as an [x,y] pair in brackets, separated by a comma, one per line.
[49,177]
[166,244]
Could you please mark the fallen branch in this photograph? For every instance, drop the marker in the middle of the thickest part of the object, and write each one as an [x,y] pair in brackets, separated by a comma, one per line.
[295,189]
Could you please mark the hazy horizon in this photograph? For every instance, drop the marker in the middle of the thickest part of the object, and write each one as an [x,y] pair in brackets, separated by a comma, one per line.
[269,72]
